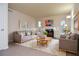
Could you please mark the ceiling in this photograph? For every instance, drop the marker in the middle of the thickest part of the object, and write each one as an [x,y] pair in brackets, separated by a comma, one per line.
[42,9]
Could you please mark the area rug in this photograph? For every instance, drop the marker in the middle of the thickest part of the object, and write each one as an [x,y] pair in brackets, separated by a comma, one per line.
[52,48]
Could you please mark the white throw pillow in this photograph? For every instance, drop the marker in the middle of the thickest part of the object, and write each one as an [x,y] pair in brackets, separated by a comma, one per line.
[28,33]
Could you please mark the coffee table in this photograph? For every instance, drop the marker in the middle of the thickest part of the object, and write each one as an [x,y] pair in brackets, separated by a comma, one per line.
[44,41]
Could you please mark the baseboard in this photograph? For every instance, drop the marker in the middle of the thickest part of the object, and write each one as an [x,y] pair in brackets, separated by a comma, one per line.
[4,48]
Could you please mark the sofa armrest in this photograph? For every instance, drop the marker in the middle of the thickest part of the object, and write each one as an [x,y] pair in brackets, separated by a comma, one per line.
[17,37]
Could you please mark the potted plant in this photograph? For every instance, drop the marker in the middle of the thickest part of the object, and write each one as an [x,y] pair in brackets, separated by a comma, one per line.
[45,33]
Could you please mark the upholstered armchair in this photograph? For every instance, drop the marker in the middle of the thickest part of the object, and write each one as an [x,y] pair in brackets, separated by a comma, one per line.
[69,43]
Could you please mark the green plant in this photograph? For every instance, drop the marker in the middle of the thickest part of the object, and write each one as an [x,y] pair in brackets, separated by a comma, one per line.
[45,33]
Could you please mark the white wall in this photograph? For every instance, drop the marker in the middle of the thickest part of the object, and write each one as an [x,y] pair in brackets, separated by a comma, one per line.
[3,26]
[17,19]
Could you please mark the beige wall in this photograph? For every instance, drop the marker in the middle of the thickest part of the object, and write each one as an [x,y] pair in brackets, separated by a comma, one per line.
[17,21]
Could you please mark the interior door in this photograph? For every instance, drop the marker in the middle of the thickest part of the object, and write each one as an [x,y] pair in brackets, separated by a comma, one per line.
[3,26]
[1,31]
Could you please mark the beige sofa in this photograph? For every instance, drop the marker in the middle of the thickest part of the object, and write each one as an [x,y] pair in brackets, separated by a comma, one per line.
[19,37]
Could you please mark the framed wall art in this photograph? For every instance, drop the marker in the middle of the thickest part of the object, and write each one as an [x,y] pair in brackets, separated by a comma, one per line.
[48,22]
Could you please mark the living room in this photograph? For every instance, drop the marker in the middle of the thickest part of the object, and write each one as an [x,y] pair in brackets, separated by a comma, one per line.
[28,23]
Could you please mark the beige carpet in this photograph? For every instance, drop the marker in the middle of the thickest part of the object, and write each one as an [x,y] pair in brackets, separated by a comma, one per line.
[52,48]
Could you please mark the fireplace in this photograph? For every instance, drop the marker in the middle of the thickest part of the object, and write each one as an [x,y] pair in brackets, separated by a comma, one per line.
[50,33]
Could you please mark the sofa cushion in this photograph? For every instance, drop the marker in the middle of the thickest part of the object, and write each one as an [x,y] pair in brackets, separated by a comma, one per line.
[62,36]
[21,33]
[73,36]
[68,36]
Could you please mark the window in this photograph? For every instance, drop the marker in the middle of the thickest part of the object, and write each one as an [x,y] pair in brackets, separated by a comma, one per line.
[39,23]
